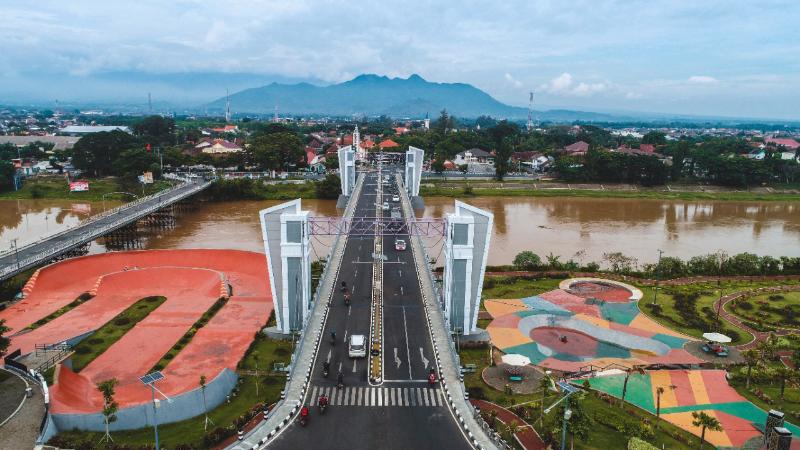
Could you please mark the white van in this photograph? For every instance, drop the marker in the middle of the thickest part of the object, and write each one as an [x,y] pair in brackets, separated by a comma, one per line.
[358,346]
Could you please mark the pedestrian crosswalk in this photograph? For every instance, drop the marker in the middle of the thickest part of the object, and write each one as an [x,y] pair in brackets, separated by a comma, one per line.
[378,396]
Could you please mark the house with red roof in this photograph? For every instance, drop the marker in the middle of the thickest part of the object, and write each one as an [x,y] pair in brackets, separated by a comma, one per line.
[388,143]
[217,147]
[579,148]
[789,143]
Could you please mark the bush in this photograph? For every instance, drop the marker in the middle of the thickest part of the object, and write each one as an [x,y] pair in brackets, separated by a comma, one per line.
[776,297]
[122,321]
[96,341]
[527,260]
[746,306]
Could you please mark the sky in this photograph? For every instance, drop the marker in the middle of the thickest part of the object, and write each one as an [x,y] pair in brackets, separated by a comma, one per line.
[710,57]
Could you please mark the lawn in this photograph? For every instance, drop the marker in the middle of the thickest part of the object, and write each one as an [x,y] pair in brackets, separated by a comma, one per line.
[517,287]
[105,336]
[697,300]
[263,353]
[779,309]
[57,187]
[60,311]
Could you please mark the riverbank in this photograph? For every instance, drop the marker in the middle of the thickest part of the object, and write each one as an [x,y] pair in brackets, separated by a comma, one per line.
[466,188]
[56,187]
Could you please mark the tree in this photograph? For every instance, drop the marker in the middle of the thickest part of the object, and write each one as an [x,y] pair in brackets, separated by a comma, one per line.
[330,187]
[277,151]
[443,123]
[751,358]
[654,137]
[95,153]
[110,406]
[502,159]
[438,164]
[554,261]
[135,161]
[785,374]
[155,130]
[4,341]
[332,161]
[545,384]
[659,392]
[510,429]
[527,260]
[628,373]
[620,263]
[704,421]
[7,172]
[579,423]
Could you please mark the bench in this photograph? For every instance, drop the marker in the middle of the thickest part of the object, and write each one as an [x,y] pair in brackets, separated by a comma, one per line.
[469,368]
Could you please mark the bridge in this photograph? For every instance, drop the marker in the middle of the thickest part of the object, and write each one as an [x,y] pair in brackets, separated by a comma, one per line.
[386,401]
[55,245]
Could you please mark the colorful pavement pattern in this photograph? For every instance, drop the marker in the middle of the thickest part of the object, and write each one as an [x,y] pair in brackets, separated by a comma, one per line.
[584,322]
[191,280]
[694,390]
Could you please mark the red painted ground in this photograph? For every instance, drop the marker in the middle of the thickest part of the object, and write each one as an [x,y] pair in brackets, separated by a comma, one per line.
[578,344]
[527,436]
[192,280]
[601,291]
[571,302]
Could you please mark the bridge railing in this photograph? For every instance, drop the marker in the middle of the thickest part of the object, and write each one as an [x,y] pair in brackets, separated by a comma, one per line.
[18,265]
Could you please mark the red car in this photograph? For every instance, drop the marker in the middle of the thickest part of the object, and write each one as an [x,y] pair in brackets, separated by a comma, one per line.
[399,245]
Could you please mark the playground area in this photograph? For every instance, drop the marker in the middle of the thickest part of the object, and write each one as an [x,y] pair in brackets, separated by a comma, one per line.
[585,322]
[686,391]
[192,282]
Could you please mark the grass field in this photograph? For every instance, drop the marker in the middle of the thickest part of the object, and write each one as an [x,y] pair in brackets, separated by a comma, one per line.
[779,309]
[517,287]
[57,188]
[252,393]
[703,311]
[93,346]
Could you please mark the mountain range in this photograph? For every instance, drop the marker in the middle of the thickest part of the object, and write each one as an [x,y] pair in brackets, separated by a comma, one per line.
[374,95]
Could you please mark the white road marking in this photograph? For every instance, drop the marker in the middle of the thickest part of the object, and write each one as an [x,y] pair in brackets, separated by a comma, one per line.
[404,311]
[349,309]
[328,359]
[396,359]
[424,360]
[340,366]
[355,362]
[408,351]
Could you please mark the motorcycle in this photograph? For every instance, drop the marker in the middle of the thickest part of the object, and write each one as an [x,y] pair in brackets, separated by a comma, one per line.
[322,408]
[347,300]
[432,379]
[325,372]
[302,419]
[340,381]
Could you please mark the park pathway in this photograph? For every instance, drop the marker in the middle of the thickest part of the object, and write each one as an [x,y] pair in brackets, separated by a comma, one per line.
[527,436]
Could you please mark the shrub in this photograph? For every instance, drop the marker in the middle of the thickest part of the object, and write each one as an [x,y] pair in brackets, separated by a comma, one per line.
[476,392]
[96,341]
[82,350]
[122,321]
[527,260]
[776,297]
[746,306]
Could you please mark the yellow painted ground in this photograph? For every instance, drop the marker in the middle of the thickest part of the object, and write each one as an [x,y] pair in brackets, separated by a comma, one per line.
[698,387]
[502,307]
[507,337]
[684,420]
[661,378]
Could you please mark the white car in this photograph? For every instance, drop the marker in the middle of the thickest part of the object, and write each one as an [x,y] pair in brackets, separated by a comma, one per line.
[385,206]
[399,245]
[357,347]
[396,198]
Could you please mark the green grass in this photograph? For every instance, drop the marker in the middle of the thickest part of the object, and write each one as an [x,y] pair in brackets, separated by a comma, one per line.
[791,398]
[770,309]
[517,287]
[60,311]
[105,336]
[441,191]
[709,293]
[264,352]
[189,335]
[57,188]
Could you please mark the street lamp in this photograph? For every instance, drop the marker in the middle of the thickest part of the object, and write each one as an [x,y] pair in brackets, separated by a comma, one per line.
[150,380]
[569,389]
[658,272]
[16,250]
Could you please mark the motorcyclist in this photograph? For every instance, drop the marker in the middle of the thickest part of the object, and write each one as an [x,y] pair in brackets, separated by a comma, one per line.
[432,376]
[303,415]
[323,401]
[326,367]
[340,380]
[333,336]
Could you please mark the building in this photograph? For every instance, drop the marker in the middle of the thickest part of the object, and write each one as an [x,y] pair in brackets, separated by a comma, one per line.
[387,144]
[80,130]
[217,147]
[472,156]
[790,144]
[579,148]
[226,129]
[59,142]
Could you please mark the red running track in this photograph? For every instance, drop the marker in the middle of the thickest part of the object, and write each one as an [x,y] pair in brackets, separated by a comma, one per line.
[192,280]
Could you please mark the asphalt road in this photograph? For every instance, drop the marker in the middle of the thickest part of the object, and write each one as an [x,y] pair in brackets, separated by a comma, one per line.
[88,232]
[403,412]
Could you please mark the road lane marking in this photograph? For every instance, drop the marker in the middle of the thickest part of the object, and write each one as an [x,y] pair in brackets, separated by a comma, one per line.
[419,396]
[408,351]
[355,362]
[328,359]
[424,360]
[396,359]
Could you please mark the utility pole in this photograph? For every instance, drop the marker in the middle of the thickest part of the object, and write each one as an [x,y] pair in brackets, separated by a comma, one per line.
[658,273]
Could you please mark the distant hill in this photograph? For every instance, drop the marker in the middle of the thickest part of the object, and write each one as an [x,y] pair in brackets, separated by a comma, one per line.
[373,95]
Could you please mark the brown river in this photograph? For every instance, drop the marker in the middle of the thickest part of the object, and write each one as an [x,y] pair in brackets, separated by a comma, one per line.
[577,228]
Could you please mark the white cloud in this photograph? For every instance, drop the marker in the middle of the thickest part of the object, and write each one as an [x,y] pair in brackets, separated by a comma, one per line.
[514,82]
[565,85]
[702,79]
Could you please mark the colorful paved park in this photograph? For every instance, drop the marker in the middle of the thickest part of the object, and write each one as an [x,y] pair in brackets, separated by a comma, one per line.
[686,391]
[586,322]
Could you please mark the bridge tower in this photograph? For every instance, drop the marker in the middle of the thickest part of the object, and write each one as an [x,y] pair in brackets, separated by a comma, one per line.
[285,231]
[466,249]
[347,169]
[413,170]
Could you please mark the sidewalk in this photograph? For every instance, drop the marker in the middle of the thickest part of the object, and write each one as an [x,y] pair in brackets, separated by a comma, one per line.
[527,436]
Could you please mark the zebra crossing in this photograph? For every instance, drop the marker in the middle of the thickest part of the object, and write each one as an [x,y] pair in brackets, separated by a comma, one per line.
[379,396]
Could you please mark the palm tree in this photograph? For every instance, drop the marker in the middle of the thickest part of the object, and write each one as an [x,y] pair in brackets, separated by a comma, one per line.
[4,341]
[785,374]
[544,384]
[751,357]
[705,422]
[510,429]
[110,406]
[205,409]
[628,373]
[660,390]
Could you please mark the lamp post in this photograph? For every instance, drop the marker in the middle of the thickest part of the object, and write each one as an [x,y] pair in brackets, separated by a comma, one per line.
[567,415]
[658,275]
[150,380]
[16,250]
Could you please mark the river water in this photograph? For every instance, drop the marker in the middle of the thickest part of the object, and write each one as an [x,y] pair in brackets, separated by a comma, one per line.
[578,228]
